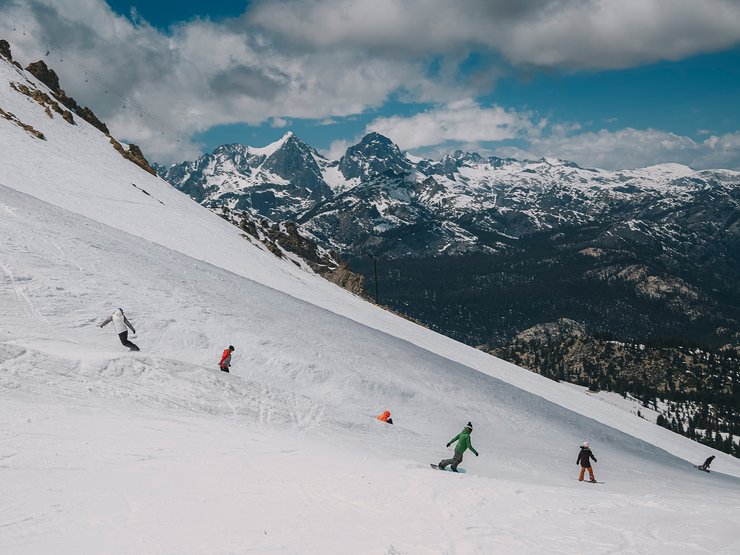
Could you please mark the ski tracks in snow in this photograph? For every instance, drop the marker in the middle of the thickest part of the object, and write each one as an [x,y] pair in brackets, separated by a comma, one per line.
[22,295]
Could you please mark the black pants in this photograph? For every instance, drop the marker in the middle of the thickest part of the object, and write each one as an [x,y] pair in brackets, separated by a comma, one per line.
[224,369]
[454,461]
[123,336]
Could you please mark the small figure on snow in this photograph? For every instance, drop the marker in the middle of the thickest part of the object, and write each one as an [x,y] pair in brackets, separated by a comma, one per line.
[385,417]
[584,459]
[707,463]
[225,363]
[119,324]
[463,444]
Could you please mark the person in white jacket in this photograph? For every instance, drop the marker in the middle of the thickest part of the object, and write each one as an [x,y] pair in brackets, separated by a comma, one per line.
[119,323]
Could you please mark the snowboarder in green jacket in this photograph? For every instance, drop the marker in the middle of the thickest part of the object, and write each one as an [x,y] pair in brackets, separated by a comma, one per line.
[463,444]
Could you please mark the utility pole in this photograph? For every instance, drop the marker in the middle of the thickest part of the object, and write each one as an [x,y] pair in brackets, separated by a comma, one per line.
[375,271]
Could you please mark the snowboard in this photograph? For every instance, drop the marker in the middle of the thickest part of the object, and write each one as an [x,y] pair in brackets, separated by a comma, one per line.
[590,482]
[436,467]
[698,468]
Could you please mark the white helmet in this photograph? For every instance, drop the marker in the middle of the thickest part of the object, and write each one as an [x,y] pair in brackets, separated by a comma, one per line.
[586,444]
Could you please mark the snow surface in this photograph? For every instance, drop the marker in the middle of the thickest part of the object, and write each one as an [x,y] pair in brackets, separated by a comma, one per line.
[105,451]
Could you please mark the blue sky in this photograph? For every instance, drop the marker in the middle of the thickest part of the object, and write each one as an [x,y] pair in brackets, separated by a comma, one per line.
[164,14]
[606,83]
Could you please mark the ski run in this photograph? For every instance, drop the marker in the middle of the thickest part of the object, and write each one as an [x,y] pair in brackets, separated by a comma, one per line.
[103,450]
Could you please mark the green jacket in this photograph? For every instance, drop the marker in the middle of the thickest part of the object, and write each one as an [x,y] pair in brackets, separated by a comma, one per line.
[463,442]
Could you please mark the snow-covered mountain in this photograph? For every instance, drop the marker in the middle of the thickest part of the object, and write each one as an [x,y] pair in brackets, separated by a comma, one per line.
[666,234]
[105,451]
[462,203]
[275,181]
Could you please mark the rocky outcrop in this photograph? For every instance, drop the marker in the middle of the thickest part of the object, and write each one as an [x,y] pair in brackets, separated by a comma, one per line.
[552,331]
[5,50]
[285,237]
[5,53]
[133,154]
[28,128]
[45,101]
[346,278]
[50,78]
[45,74]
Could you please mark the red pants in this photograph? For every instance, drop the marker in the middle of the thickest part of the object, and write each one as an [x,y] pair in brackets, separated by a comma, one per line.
[590,473]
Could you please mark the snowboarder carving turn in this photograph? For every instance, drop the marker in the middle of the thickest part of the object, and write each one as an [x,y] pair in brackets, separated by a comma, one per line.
[463,444]
[584,459]
[119,324]
[225,362]
[707,463]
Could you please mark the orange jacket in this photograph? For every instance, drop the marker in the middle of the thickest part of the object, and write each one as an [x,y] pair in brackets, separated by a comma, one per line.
[385,416]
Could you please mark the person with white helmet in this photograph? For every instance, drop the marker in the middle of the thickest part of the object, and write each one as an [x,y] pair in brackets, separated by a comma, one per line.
[119,324]
[584,459]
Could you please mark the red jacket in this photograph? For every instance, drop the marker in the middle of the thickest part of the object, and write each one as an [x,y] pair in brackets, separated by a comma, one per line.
[225,359]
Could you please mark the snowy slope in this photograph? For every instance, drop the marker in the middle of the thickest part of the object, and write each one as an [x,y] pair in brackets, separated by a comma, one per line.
[102,451]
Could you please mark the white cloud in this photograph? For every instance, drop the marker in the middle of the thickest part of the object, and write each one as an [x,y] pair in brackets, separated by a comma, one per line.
[468,126]
[337,149]
[593,34]
[633,148]
[463,120]
[324,59]
[198,75]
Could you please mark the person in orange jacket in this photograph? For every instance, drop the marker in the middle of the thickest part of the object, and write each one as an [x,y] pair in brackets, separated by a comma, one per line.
[385,417]
[225,363]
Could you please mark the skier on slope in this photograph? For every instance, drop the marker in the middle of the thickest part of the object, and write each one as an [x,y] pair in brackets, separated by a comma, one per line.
[584,459]
[119,324]
[225,362]
[463,444]
[705,466]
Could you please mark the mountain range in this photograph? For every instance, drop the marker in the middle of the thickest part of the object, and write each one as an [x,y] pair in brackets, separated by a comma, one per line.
[664,239]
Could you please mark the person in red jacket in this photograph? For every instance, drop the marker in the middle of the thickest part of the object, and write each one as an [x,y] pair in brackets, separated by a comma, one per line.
[225,363]
[584,459]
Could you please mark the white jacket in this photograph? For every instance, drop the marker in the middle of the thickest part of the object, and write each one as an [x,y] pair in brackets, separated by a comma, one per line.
[119,321]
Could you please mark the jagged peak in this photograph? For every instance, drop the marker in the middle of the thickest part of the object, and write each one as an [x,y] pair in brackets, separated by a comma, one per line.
[372,141]
[274,146]
[230,148]
[374,136]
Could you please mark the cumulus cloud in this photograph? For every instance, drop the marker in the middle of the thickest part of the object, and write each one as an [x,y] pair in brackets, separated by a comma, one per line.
[337,149]
[324,59]
[633,148]
[460,121]
[279,123]
[199,74]
[571,34]
[468,126]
